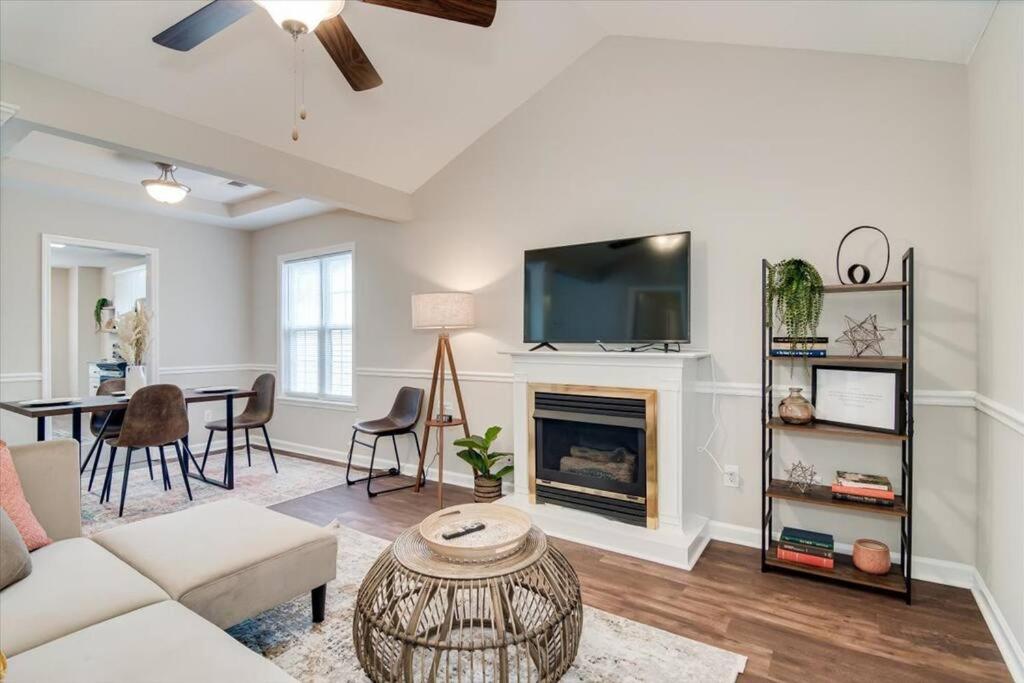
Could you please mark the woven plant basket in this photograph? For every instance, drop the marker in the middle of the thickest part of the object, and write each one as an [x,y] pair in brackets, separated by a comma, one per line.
[486,490]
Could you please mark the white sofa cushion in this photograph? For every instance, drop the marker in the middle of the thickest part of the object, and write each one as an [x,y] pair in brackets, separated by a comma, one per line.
[162,643]
[74,584]
[229,560]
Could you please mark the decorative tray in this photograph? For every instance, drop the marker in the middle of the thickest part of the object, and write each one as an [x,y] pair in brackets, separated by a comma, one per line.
[499,531]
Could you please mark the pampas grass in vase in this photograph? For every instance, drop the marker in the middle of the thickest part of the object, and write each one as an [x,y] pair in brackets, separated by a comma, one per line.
[133,340]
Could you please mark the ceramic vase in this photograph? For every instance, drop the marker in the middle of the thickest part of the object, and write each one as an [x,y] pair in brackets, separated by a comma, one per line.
[134,380]
[486,490]
[871,557]
[795,409]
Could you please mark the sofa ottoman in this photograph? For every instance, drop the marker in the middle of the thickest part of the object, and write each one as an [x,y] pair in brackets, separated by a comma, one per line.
[162,643]
[230,560]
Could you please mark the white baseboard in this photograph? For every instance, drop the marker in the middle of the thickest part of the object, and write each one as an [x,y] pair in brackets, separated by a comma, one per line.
[923,568]
[1009,646]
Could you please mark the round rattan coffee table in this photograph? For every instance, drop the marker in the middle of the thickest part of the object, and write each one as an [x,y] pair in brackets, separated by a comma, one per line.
[422,617]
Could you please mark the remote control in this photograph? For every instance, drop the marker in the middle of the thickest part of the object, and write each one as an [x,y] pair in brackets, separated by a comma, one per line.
[465,530]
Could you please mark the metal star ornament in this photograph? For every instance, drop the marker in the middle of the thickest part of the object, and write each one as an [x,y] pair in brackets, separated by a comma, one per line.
[864,336]
[801,476]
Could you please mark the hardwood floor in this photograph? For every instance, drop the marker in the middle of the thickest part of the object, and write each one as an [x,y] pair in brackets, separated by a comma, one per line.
[790,628]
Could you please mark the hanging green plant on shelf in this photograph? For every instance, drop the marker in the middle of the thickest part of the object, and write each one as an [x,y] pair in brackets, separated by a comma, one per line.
[97,313]
[795,296]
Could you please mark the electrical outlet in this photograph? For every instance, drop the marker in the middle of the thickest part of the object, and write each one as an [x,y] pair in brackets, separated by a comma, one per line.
[208,416]
[731,476]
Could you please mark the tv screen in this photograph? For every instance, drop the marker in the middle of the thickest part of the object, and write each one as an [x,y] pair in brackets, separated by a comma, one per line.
[628,290]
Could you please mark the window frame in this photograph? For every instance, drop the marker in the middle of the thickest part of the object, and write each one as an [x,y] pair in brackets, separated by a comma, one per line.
[306,398]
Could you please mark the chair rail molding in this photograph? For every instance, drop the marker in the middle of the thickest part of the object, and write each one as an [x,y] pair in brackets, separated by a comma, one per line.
[20,377]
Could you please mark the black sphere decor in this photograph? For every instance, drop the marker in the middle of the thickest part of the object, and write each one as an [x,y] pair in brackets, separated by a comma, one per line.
[858,273]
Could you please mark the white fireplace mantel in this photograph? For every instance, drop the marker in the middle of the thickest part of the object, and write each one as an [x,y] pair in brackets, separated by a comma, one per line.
[682,533]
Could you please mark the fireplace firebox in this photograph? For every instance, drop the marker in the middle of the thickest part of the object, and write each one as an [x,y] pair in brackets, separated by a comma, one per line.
[595,449]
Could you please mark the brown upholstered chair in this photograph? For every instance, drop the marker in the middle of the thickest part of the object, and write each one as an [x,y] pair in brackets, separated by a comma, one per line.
[107,425]
[156,416]
[259,410]
[405,412]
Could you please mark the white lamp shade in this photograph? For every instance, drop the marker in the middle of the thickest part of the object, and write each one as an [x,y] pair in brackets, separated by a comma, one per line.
[442,310]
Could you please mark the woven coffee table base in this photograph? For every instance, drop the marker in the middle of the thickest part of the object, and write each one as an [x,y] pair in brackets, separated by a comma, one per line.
[421,618]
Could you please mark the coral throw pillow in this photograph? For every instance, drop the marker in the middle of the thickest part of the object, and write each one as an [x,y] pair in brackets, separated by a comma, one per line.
[14,503]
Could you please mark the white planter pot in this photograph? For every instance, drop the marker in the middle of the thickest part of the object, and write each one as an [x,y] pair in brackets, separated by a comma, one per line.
[134,380]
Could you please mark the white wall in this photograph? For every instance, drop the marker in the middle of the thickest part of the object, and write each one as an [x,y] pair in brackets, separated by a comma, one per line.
[90,347]
[996,88]
[60,348]
[203,301]
[763,153]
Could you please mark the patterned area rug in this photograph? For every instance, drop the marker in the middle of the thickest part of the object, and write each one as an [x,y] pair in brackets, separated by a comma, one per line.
[612,648]
[257,484]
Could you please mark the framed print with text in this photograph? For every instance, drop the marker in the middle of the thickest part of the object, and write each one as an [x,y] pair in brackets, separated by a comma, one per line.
[863,398]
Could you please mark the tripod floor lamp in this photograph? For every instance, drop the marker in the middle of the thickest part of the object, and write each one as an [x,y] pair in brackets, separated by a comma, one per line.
[442,311]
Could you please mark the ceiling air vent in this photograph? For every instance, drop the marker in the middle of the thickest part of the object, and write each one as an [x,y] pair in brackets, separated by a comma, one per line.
[237,183]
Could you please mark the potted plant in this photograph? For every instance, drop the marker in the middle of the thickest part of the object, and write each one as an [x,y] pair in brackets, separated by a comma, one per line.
[133,342]
[477,452]
[101,303]
[795,296]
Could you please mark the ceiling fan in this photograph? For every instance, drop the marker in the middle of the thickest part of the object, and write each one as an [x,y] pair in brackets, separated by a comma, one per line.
[322,17]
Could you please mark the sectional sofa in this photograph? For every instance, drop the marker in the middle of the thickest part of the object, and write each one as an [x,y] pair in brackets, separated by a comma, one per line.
[147,602]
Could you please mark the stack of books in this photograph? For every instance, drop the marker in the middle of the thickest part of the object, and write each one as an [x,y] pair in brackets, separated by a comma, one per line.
[873,489]
[806,547]
[799,347]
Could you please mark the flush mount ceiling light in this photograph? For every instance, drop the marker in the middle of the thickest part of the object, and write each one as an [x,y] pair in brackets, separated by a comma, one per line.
[166,189]
[301,16]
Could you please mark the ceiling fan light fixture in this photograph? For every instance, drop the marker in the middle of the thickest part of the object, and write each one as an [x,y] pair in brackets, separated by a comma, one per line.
[301,16]
[166,189]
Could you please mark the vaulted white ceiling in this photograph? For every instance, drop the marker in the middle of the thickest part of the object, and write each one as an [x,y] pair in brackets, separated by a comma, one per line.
[445,84]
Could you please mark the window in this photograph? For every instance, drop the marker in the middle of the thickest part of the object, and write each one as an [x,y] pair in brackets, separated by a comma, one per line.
[316,326]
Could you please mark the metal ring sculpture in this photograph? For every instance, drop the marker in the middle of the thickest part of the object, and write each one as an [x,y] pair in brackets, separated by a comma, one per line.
[419,617]
[865,273]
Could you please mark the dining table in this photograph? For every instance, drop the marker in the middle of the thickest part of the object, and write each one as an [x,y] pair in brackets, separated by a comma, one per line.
[98,404]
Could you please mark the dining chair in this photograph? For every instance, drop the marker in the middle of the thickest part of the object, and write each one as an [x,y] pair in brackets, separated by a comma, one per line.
[106,425]
[259,410]
[405,412]
[155,417]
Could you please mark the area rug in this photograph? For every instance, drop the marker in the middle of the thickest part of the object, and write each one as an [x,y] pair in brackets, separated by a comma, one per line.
[257,484]
[612,648]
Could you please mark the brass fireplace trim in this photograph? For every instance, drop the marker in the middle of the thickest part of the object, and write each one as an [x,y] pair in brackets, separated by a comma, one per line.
[650,399]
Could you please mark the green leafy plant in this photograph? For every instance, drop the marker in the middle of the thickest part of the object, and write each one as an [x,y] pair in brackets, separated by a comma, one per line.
[97,312]
[477,452]
[795,296]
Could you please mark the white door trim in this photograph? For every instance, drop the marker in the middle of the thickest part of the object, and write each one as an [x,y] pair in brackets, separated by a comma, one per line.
[152,255]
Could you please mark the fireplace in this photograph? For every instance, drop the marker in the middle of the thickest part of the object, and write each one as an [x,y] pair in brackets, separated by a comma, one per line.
[595,449]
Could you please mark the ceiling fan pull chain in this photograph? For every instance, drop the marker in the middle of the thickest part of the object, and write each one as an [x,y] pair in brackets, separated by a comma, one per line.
[302,80]
[295,87]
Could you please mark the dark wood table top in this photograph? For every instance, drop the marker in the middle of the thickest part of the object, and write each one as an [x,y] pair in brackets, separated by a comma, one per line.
[94,404]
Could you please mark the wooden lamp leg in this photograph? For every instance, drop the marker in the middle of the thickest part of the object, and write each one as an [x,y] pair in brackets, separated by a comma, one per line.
[458,389]
[440,430]
[430,416]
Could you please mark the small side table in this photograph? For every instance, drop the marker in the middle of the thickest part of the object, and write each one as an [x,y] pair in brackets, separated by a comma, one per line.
[421,617]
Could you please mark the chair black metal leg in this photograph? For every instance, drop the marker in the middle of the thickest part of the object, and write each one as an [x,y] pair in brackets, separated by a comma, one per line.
[88,456]
[99,454]
[149,462]
[369,479]
[415,438]
[398,461]
[124,480]
[270,449]
[188,452]
[207,453]
[163,470]
[348,468]
[108,476]
[248,449]
[319,599]
[184,474]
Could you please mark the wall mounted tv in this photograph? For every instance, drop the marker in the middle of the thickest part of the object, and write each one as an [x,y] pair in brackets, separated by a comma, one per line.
[634,290]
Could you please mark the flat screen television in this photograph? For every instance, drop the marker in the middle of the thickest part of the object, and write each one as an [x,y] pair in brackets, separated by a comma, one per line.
[634,290]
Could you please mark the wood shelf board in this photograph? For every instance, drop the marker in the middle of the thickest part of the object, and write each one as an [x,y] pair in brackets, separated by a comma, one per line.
[844,572]
[844,360]
[452,423]
[869,287]
[833,431]
[822,495]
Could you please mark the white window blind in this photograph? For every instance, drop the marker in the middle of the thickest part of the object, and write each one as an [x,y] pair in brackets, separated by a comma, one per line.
[317,326]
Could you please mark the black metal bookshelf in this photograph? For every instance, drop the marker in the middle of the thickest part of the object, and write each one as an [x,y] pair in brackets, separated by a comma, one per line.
[897,581]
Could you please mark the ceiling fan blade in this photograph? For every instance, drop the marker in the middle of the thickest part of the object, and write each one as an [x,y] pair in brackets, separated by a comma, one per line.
[476,12]
[203,23]
[343,48]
